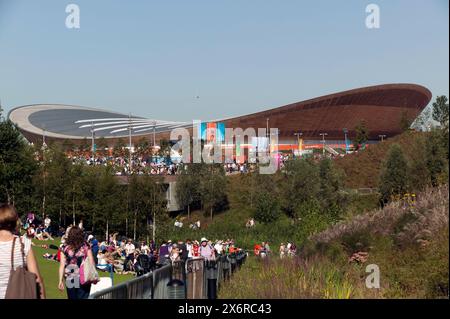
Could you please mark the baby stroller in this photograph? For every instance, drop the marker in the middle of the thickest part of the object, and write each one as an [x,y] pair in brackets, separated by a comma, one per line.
[144,265]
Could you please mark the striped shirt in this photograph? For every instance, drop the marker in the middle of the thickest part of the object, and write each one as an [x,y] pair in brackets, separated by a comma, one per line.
[5,262]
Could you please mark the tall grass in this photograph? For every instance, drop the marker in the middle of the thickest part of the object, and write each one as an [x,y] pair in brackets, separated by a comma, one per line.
[294,278]
[408,242]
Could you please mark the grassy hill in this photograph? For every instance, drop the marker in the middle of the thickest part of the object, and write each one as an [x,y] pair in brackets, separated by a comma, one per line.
[362,169]
[408,242]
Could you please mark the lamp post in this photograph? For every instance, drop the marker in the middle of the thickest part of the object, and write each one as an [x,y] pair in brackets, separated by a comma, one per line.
[93,143]
[382,137]
[154,134]
[323,142]
[129,140]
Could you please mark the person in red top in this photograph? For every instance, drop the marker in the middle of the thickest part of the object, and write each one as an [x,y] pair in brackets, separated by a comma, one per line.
[256,249]
[195,249]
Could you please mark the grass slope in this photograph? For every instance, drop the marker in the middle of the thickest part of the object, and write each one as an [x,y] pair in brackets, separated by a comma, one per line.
[409,243]
[362,169]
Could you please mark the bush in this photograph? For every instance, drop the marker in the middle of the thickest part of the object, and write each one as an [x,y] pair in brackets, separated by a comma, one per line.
[394,177]
[267,208]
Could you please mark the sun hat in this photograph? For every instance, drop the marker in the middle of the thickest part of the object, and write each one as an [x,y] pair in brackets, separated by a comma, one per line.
[203,239]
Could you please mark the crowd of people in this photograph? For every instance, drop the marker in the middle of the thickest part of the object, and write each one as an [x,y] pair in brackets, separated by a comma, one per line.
[117,254]
[140,165]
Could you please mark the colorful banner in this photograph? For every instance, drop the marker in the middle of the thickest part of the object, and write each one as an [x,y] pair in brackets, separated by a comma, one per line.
[211,132]
[220,134]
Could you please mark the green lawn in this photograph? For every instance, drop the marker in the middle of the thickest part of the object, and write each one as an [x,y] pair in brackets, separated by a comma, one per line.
[49,270]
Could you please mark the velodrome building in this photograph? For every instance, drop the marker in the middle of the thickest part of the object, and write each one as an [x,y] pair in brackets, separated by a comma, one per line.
[381,107]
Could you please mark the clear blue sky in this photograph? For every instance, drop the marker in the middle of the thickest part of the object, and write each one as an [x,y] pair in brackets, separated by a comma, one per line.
[152,58]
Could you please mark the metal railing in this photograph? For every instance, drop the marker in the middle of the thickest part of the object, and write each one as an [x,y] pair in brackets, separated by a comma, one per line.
[201,279]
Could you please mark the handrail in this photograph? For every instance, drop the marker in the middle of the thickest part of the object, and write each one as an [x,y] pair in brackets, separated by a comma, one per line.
[196,273]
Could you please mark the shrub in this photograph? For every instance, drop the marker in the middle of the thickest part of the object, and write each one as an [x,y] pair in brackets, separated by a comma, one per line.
[267,208]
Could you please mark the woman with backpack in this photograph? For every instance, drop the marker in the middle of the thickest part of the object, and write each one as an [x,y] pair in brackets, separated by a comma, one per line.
[17,262]
[73,254]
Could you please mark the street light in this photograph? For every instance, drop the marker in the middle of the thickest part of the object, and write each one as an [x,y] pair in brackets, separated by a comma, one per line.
[323,142]
[93,143]
[382,137]
[129,137]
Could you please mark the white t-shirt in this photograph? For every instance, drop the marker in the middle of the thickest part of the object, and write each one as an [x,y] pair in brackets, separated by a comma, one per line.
[189,249]
[218,248]
[5,262]
[145,249]
[129,249]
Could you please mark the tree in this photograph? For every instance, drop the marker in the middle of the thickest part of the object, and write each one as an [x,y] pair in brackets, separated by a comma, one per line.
[405,123]
[330,193]
[108,199]
[362,134]
[84,145]
[267,207]
[440,111]
[142,146]
[300,185]
[419,176]
[119,147]
[57,174]
[17,167]
[68,145]
[422,121]
[147,203]
[212,187]
[102,144]
[164,148]
[394,175]
[187,191]
[437,157]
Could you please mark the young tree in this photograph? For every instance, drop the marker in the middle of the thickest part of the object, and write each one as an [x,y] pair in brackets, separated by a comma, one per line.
[440,111]
[405,123]
[362,134]
[108,199]
[394,175]
[17,167]
[300,185]
[437,157]
[267,207]
[102,144]
[147,202]
[330,194]
[212,186]
[119,148]
[422,121]
[187,190]
[58,182]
